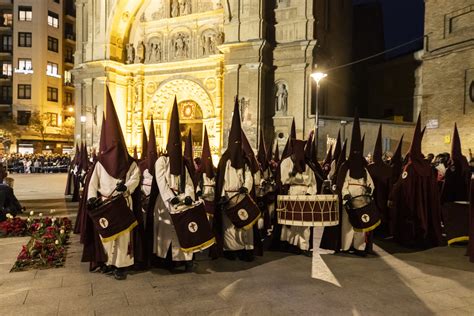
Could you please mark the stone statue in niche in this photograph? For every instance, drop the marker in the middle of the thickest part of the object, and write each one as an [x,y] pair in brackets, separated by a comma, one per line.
[140,57]
[130,53]
[186,8]
[174,8]
[149,51]
[220,38]
[209,42]
[181,45]
[157,52]
[281,98]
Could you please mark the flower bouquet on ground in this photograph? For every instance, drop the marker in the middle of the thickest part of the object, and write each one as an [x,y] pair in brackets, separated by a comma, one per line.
[47,246]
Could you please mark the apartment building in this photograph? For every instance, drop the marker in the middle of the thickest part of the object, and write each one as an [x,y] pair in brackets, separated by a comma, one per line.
[37,45]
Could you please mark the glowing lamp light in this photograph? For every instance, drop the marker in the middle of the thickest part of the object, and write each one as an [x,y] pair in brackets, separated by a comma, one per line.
[318,76]
[83,118]
[71,109]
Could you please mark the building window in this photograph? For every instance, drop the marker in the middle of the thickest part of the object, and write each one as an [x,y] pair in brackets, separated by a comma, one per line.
[67,77]
[52,69]
[53,19]
[25,13]
[7,19]
[24,64]
[52,44]
[23,117]
[7,69]
[5,94]
[69,55]
[7,43]
[68,98]
[52,119]
[24,39]
[52,94]
[69,31]
[24,91]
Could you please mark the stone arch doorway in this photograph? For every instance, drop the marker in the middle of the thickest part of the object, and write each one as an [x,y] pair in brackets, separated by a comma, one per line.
[196,110]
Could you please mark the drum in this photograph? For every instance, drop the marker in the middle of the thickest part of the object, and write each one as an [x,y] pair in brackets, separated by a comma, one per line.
[456,221]
[242,211]
[113,218]
[363,218]
[308,210]
[192,227]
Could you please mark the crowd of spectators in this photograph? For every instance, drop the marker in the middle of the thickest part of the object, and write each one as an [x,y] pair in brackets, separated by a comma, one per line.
[36,163]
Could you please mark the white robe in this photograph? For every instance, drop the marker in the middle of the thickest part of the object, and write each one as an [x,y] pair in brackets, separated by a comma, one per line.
[234,179]
[164,231]
[116,250]
[349,237]
[301,184]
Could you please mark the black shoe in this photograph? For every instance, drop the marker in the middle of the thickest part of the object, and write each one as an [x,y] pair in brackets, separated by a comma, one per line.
[360,253]
[119,274]
[106,269]
[247,256]
[307,253]
[188,266]
[230,255]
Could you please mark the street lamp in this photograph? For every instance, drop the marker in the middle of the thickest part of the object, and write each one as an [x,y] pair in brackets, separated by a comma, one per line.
[317,76]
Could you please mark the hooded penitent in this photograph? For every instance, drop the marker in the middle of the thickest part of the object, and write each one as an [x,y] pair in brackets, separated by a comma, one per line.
[114,156]
[458,175]
[152,153]
[144,144]
[207,167]
[337,147]
[234,144]
[381,174]
[174,147]
[298,155]
[417,218]
[312,161]
[276,155]
[262,155]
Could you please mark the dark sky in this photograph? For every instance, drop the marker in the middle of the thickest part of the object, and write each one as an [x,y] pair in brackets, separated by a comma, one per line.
[403,21]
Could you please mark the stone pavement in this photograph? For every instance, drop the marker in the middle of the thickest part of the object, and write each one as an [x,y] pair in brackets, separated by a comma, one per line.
[396,282]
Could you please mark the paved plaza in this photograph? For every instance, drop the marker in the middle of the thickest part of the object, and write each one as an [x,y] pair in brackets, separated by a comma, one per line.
[396,282]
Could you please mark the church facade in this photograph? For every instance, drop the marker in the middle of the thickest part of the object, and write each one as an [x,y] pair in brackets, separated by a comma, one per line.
[207,52]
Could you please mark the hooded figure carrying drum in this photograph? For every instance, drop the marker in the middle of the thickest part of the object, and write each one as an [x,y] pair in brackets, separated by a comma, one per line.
[237,212]
[115,176]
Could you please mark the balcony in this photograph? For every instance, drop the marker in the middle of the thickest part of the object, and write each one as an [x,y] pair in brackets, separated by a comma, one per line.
[5,101]
[4,78]
[69,85]
[70,37]
[6,50]
[6,21]
[69,60]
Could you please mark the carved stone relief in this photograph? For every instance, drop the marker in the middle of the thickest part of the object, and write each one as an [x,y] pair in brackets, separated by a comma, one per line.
[180,46]
[281,98]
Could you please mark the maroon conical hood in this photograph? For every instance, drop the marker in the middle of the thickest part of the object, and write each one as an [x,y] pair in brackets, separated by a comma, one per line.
[77,156]
[415,148]
[287,150]
[152,153]
[114,157]
[276,155]
[207,167]
[262,155]
[308,149]
[144,144]
[363,144]
[84,158]
[377,156]
[189,154]
[356,159]
[337,148]
[174,147]
[456,151]
[298,155]
[94,155]
[341,159]
[234,145]
[270,152]
[249,154]
[397,155]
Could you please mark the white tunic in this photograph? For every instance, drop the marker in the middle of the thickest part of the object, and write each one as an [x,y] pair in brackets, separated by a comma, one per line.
[105,184]
[234,179]
[301,184]
[164,231]
[353,187]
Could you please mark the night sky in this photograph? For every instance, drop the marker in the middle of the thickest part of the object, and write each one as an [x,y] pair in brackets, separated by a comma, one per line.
[403,21]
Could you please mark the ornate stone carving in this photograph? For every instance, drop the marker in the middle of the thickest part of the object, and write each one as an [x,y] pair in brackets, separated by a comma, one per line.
[180,46]
[140,55]
[130,53]
[180,8]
